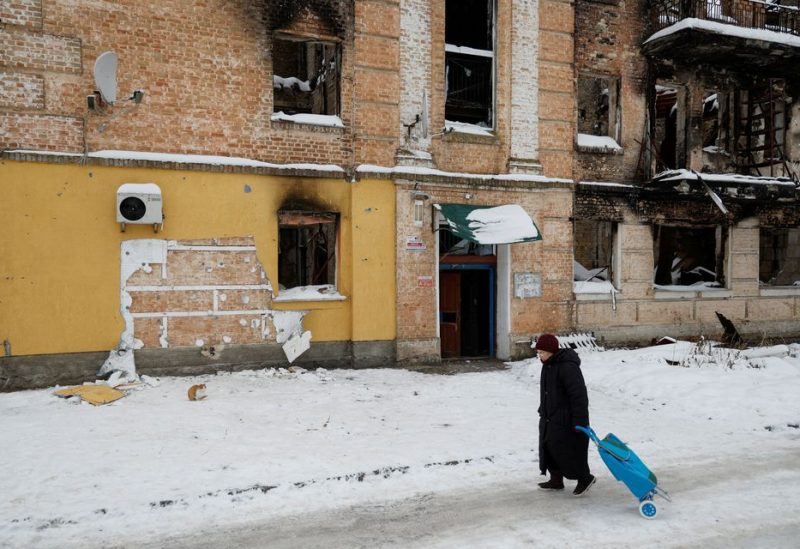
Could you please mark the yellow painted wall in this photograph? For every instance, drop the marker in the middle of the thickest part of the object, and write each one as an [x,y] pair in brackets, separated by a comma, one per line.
[60,245]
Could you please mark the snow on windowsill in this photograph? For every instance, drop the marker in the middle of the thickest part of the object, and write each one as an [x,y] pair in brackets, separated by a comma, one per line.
[471,129]
[597,143]
[326,292]
[699,289]
[309,119]
[594,287]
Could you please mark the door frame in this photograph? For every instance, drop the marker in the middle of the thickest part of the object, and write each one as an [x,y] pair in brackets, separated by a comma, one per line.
[492,312]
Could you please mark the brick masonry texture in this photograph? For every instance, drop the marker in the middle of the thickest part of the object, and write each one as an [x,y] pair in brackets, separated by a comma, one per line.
[21,91]
[25,13]
[607,39]
[214,296]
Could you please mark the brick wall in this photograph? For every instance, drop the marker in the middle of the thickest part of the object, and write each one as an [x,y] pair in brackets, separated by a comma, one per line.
[607,41]
[556,87]
[206,72]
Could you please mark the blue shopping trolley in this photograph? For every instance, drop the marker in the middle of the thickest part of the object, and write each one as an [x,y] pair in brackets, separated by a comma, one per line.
[627,468]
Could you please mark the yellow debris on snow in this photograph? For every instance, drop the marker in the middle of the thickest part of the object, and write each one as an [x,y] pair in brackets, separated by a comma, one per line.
[93,394]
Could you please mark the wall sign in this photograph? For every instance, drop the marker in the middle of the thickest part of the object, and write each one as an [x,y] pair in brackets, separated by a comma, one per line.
[425,281]
[527,285]
[415,243]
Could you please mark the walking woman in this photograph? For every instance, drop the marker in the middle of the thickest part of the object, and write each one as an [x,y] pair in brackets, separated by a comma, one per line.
[563,404]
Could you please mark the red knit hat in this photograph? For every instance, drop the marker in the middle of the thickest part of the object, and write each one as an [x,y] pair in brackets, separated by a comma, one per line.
[547,342]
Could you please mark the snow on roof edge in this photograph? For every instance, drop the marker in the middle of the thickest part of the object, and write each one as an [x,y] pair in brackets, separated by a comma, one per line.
[417,170]
[186,159]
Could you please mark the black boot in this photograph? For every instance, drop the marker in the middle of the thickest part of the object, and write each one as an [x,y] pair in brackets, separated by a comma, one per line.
[556,482]
[583,486]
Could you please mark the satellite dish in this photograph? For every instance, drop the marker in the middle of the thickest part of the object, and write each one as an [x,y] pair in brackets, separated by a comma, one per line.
[105,76]
[424,114]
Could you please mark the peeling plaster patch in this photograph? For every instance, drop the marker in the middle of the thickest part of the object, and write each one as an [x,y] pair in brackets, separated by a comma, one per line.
[189,292]
[290,334]
[134,255]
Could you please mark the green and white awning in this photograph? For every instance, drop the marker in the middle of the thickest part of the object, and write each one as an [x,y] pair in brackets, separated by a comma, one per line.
[505,224]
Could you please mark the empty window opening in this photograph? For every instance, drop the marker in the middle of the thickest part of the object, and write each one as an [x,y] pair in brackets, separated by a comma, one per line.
[305,76]
[761,129]
[306,248]
[688,256]
[666,128]
[594,250]
[598,106]
[469,61]
[779,257]
[710,119]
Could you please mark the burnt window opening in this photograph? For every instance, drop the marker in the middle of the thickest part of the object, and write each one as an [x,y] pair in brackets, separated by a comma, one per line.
[598,106]
[450,245]
[306,248]
[469,62]
[689,256]
[594,250]
[762,122]
[666,138]
[711,119]
[779,257]
[306,76]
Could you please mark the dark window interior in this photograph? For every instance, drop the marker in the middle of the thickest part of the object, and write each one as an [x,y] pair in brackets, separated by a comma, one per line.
[594,247]
[306,248]
[305,77]
[779,257]
[469,91]
[685,256]
[452,245]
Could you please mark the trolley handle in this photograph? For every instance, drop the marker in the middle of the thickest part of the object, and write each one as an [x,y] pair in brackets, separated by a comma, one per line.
[589,432]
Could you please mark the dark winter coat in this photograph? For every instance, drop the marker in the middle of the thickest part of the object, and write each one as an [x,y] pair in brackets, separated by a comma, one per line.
[563,404]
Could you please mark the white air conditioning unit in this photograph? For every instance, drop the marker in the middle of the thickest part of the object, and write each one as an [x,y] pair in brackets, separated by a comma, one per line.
[139,204]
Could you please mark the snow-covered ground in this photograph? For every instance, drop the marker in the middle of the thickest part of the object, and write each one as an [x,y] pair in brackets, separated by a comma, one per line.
[391,457]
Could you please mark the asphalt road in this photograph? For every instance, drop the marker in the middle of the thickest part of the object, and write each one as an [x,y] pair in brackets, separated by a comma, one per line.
[741,501]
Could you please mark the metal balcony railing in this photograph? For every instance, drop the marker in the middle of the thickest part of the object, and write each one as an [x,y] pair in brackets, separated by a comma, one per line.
[753,14]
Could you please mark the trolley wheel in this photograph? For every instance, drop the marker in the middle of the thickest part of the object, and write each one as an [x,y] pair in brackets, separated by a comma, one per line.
[648,509]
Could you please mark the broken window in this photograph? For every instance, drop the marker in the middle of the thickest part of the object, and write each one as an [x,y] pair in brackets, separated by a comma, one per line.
[305,76]
[469,62]
[598,105]
[687,256]
[761,129]
[668,154]
[594,250]
[306,248]
[779,257]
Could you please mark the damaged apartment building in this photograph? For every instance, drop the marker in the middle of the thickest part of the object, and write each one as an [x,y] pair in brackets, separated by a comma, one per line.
[687,165]
[236,184]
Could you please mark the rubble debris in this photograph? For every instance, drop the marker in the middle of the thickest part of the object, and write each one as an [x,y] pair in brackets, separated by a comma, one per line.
[731,335]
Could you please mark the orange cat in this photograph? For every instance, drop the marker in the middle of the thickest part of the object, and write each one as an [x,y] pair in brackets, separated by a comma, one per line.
[197,392]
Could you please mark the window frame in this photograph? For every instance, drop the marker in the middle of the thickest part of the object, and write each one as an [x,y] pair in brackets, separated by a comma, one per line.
[458,126]
[298,219]
[613,116]
[319,118]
